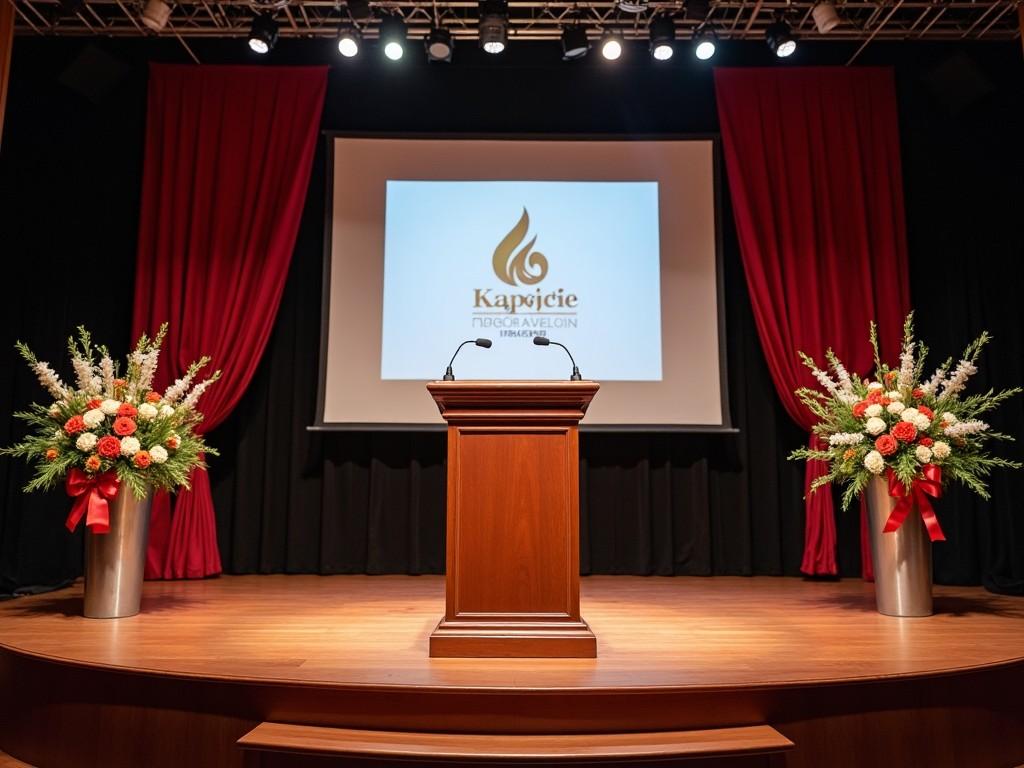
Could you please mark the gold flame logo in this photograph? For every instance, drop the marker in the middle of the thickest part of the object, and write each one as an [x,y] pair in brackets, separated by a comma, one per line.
[524,267]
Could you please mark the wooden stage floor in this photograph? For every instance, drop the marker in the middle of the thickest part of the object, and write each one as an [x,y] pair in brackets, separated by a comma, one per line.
[672,653]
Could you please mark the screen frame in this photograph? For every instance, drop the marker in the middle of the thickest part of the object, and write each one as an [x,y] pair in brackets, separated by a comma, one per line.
[329,137]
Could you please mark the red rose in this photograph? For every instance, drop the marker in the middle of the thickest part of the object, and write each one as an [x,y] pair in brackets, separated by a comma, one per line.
[141,459]
[51,454]
[126,409]
[904,431]
[926,442]
[109,446]
[92,464]
[917,393]
[859,408]
[124,426]
[886,445]
[926,411]
[94,403]
[874,396]
[153,397]
[74,425]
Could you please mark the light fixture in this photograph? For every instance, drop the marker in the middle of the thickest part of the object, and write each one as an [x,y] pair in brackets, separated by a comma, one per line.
[263,33]
[493,25]
[392,35]
[439,45]
[611,45]
[663,35]
[574,42]
[349,41]
[705,42]
[155,14]
[632,6]
[825,17]
[779,38]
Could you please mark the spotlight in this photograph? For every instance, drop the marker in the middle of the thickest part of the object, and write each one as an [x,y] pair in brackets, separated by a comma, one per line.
[263,33]
[705,43]
[632,6]
[780,39]
[493,25]
[825,17]
[574,42]
[439,45]
[155,14]
[348,42]
[663,35]
[392,34]
[611,45]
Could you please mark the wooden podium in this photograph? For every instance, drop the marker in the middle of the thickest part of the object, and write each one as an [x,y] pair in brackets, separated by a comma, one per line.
[513,559]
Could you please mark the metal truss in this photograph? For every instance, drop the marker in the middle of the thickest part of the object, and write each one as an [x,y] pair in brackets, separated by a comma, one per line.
[532,19]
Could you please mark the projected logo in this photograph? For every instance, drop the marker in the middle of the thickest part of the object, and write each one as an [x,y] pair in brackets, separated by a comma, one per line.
[519,267]
[522,313]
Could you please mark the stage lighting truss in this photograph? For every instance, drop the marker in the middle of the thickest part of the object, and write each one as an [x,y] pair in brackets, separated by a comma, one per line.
[531,19]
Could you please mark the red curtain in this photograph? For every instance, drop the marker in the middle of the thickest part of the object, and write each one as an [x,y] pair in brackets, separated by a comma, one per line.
[228,157]
[813,162]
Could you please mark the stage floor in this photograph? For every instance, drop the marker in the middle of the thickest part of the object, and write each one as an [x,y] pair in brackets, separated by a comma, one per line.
[208,661]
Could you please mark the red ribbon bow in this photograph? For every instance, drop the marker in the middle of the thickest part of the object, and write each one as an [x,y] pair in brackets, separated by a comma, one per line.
[92,492]
[930,484]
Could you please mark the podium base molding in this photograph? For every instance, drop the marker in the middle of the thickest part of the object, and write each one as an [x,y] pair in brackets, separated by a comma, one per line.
[513,639]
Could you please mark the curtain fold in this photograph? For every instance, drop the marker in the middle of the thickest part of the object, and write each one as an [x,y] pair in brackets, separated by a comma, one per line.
[227,164]
[813,162]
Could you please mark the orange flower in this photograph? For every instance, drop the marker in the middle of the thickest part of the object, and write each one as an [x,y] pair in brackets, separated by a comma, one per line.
[173,442]
[886,445]
[904,431]
[119,383]
[92,464]
[153,397]
[74,425]
[127,409]
[94,403]
[849,454]
[109,446]
[124,426]
[51,454]
[141,459]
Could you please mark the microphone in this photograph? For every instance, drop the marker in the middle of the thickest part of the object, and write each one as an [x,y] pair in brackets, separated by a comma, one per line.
[543,341]
[485,343]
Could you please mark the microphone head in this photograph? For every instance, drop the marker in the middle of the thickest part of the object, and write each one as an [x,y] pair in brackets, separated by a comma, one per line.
[485,343]
[541,341]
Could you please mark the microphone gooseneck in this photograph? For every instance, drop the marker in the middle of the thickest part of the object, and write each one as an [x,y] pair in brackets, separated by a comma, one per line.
[485,343]
[543,341]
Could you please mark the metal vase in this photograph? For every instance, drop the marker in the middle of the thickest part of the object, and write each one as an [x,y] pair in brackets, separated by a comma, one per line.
[902,559]
[115,562]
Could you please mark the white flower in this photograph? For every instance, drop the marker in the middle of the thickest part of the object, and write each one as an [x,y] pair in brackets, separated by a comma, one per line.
[873,410]
[923,453]
[906,376]
[845,438]
[147,411]
[86,441]
[963,428]
[958,380]
[158,453]
[129,446]
[940,450]
[895,408]
[50,380]
[874,426]
[894,395]
[166,411]
[58,434]
[875,385]
[874,462]
[921,421]
[948,418]
[93,418]
[909,414]
[110,407]
[54,411]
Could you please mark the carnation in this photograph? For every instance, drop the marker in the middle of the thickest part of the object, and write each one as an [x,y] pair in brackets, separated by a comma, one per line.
[147,412]
[874,462]
[886,445]
[921,421]
[86,442]
[93,418]
[874,426]
[93,463]
[54,411]
[894,395]
[74,425]
[908,414]
[141,459]
[904,431]
[895,408]
[875,385]
[130,446]
[923,453]
[166,410]
[874,410]
[109,446]
[127,409]
[124,426]
[941,450]
[860,409]
[173,441]
[110,407]
[158,454]
[948,418]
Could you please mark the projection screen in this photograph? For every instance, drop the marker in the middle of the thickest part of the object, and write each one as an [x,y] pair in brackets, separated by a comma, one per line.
[609,246]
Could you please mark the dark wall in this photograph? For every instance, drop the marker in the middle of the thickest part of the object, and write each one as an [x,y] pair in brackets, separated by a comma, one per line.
[288,500]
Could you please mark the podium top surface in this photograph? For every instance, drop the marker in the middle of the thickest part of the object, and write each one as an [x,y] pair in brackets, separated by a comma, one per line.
[511,396]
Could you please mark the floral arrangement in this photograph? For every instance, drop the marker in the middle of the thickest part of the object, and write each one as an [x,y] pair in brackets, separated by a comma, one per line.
[111,428]
[917,432]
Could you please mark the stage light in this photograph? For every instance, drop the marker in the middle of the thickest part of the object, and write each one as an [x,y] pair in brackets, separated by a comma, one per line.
[574,42]
[611,45]
[632,6]
[780,39]
[825,17]
[663,35]
[439,45]
[705,43]
[349,41]
[392,34]
[263,33]
[493,25]
[155,14]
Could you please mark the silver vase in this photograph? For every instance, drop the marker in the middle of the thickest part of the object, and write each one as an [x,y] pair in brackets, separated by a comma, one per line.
[115,562]
[902,559]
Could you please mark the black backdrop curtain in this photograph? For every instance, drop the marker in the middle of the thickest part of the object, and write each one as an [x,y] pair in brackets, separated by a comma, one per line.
[293,501]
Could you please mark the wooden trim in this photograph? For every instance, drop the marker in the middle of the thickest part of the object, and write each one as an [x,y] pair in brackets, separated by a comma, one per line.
[6,44]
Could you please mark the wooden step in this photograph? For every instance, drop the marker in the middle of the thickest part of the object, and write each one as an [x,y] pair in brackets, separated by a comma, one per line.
[592,747]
